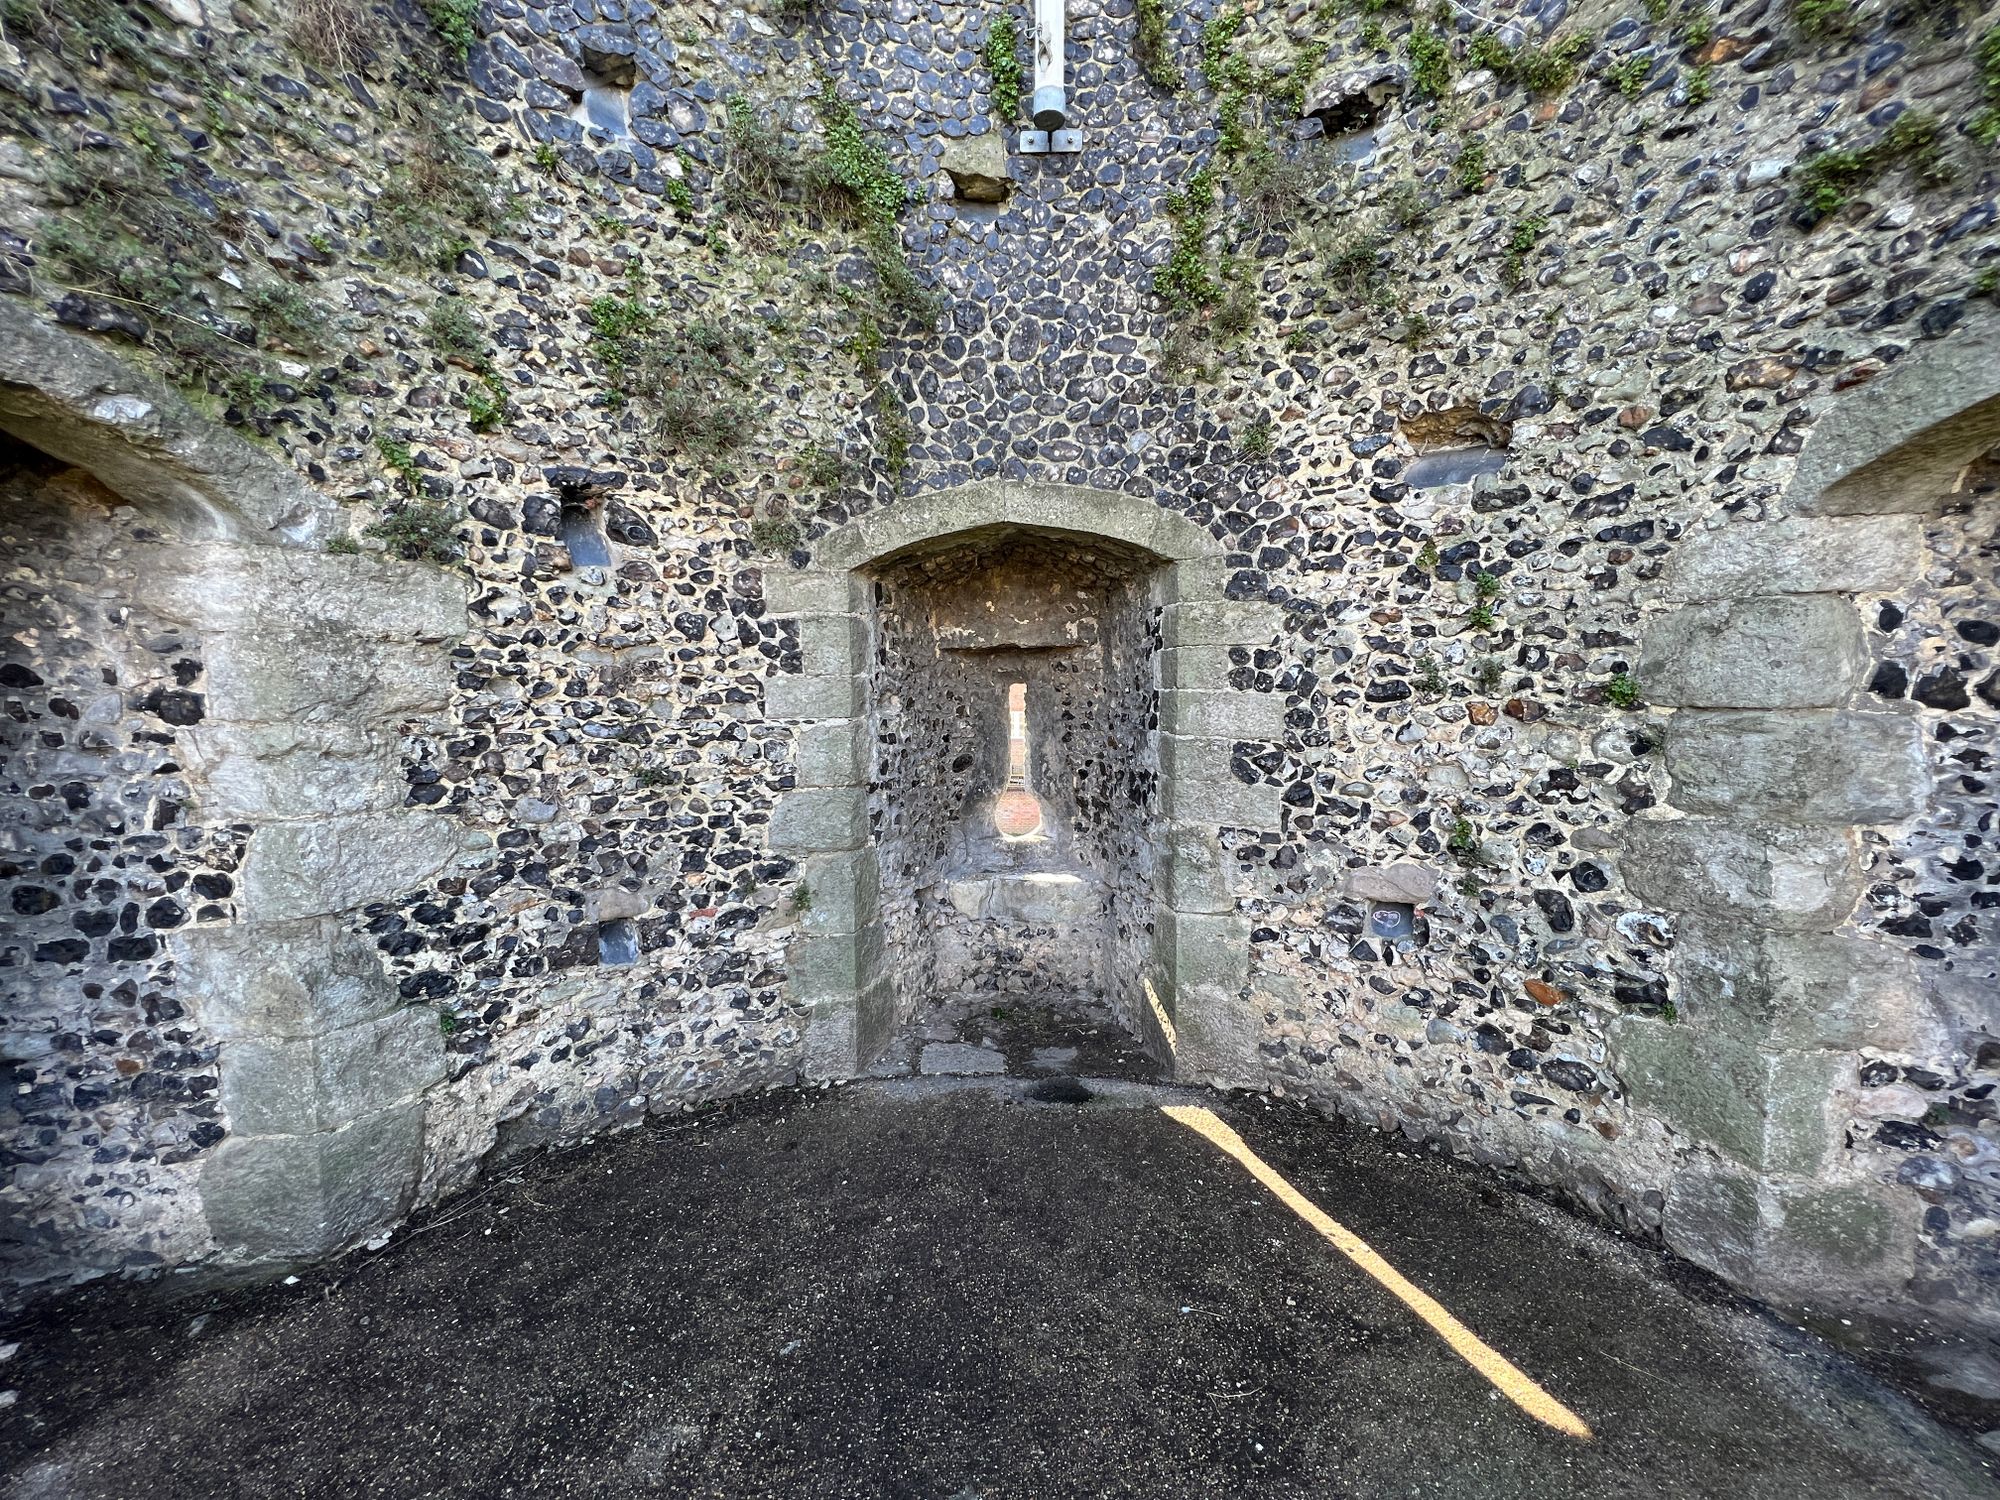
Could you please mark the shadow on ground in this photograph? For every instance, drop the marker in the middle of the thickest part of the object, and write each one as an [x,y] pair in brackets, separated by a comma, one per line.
[937,1289]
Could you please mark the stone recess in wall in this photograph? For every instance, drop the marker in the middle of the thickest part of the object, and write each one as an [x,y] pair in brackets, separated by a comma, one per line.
[947,609]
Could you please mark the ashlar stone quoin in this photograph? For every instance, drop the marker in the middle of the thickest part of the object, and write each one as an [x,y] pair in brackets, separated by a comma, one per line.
[616,566]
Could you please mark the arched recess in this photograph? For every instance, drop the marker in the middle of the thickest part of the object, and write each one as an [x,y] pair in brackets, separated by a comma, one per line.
[1194,1011]
[300,671]
[1780,759]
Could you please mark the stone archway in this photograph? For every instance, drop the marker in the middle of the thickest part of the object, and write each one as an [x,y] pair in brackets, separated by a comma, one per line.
[1782,763]
[301,670]
[1197,967]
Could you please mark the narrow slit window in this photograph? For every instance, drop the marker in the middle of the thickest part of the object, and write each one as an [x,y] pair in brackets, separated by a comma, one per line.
[583,536]
[617,943]
[1017,813]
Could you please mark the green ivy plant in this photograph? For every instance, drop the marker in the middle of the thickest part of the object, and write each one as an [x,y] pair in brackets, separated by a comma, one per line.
[1007,79]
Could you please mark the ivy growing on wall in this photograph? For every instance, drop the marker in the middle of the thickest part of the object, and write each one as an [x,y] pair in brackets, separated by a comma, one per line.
[1007,80]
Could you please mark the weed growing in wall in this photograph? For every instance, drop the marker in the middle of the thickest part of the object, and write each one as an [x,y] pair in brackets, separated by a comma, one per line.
[1629,74]
[1007,79]
[1258,440]
[336,34]
[1545,69]
[895,433]
[1153,46]
[1356,267]
[1471,170]
[1985,126]
[1622,691]
[398,459]
[695,381]
[759,164]
[125,238]
[1272,188]
[1430,63]
[776,535]
[454,331]
[72,28]
[1824,182]
[854,166]
[1185,281]
[418,531]
[454,21]
[486,405]
[442,194]
[1521,241]
[1824,20]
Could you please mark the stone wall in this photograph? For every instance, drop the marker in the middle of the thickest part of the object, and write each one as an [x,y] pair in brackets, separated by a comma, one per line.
[1640,282]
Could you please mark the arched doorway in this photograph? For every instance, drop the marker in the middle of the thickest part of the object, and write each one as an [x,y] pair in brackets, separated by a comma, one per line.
[1109,614]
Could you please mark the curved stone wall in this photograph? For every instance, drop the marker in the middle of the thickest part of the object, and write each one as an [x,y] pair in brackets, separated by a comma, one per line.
[1568,706]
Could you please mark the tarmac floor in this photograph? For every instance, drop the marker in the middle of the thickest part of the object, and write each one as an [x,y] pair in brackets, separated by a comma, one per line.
[944,1288]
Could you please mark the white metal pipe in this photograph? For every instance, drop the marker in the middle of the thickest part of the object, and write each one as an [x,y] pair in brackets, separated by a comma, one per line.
[1051,105]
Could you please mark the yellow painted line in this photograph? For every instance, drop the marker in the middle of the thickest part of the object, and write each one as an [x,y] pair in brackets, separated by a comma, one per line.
[1466,1344]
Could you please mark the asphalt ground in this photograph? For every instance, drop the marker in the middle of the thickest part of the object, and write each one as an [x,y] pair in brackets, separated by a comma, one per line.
[941,1289]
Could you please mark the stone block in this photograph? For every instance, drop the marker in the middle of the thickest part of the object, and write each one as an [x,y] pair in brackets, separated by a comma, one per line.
[815,820]
[846,891]
[1713,1218]
[832,645]
[874,1021]
[77,399]
[977,166]
[1797,989]
[1409,884]
[1790,651]
[1811,766]
[1223,803]
[832,752]
[1193,875]
[1856,1233]
[295,769]
[1780,878]
[1041,897]
[1200,580]
[829,1045]
[1745,560]
[1769,1110]
[268,592]
[1202,668]
[1223,715]
[800,696]
[1220,624]
[789,591]
[1203,949]
[296,671]
[947,1058]
[337,864]
[824,966]
[282,1197]
[283,979]
[300,1085]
